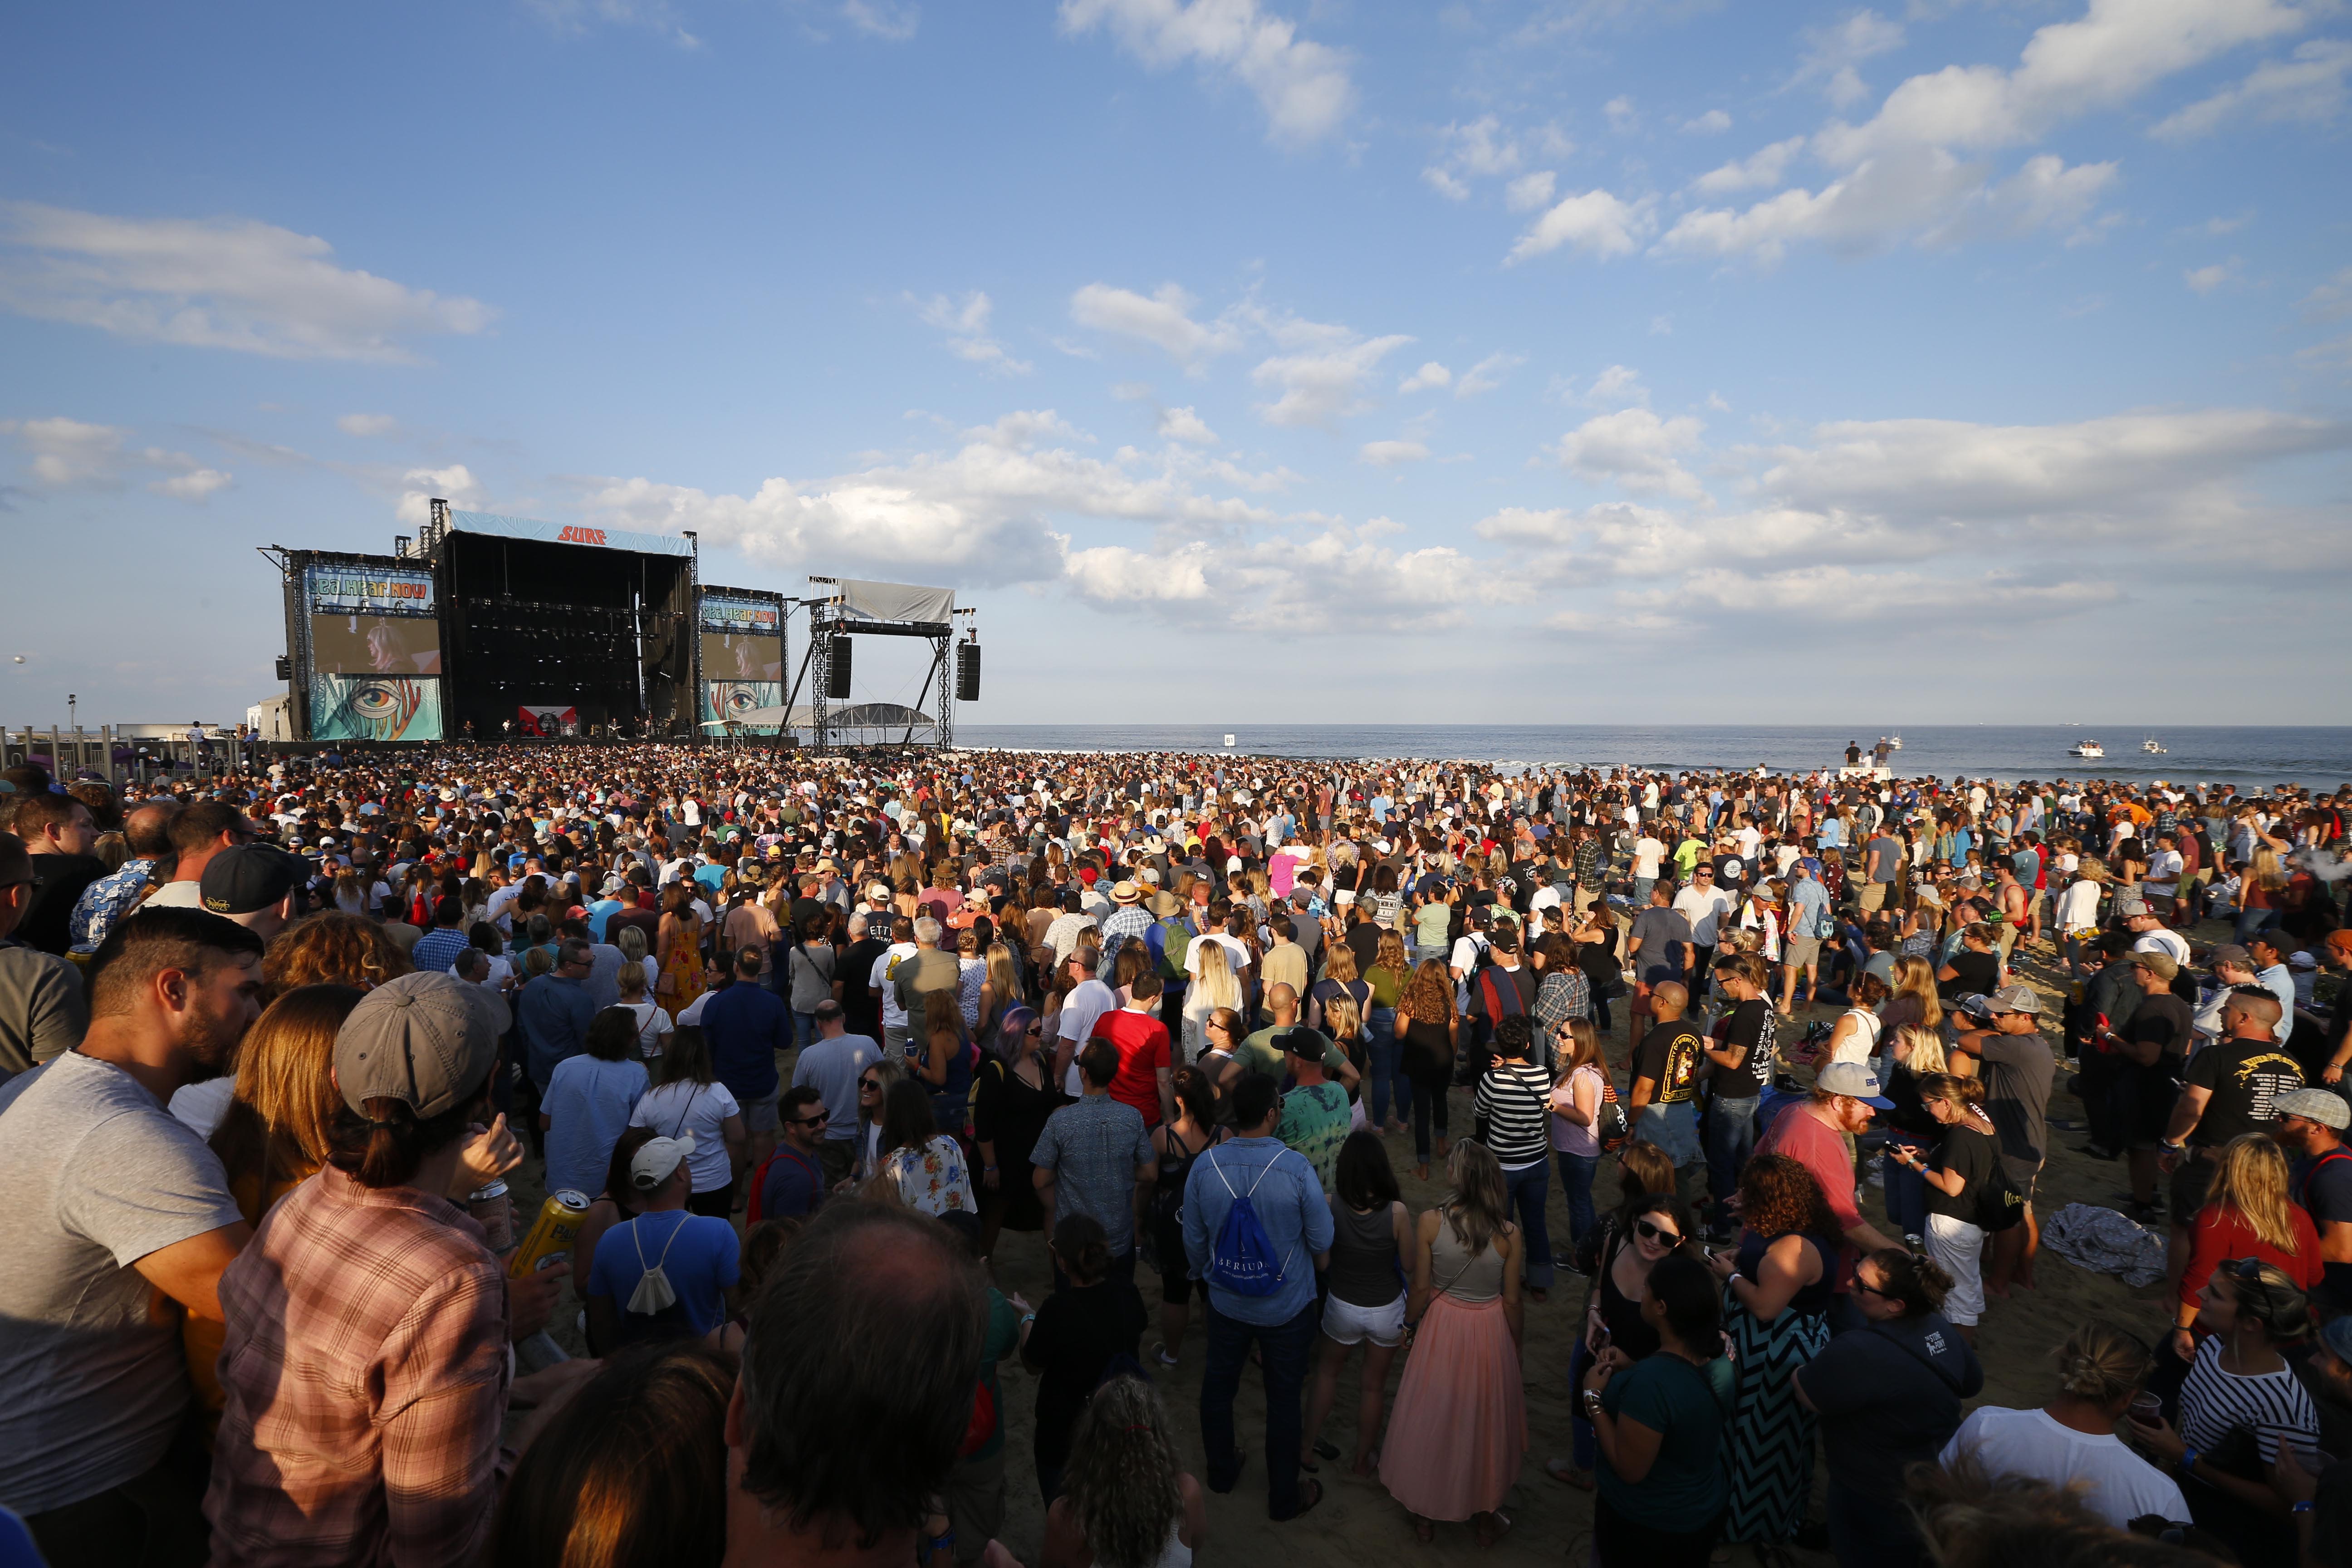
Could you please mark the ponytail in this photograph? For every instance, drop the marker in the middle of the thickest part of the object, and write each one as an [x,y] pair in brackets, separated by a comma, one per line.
[385,1145]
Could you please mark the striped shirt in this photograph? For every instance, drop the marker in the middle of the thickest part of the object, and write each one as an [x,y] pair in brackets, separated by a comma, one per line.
[1514,1104]
[2214,1404]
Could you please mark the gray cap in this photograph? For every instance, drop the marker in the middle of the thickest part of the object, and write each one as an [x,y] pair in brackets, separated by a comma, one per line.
[426,1040]
[2315,1105]
[2015,999]
[2231,952]
[2130,905]
[1854,1080]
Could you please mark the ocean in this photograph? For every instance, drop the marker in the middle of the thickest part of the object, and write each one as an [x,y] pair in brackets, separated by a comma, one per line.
[2317,757]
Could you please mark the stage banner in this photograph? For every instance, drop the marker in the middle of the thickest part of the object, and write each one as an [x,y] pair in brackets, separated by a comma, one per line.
[569,534]
[750,618]
[546,720]
[735,699]
[374,708]
[352,591]
[862,601]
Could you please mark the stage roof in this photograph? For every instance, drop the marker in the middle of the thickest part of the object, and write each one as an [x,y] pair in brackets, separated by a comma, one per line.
[569,534]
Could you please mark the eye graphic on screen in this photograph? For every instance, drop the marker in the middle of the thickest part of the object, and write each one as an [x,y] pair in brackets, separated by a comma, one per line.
[734,698]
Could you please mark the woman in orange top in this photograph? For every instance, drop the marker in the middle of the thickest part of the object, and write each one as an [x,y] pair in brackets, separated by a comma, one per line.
[681,940]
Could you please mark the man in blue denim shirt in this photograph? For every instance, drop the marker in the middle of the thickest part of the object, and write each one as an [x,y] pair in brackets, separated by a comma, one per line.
[1298,1220]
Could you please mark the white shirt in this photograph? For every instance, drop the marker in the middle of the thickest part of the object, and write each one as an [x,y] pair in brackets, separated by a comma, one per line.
[2117,1484]
[894,1013]
[1235,949]
[177,896]
[1701,907]
[1086,1004]
[701,1108]
[1647,853]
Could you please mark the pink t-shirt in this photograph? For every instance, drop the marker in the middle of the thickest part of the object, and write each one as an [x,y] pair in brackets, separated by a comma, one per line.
[1814,1144]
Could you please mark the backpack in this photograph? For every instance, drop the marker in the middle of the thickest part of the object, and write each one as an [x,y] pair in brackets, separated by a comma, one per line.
[1241,1259]
[1610,1130]
[1175,936]
[2000,1205]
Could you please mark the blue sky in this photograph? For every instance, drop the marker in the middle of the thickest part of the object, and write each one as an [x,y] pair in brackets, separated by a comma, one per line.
[1242,360]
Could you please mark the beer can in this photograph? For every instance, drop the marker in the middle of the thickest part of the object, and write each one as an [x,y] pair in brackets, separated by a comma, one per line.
[551,1234]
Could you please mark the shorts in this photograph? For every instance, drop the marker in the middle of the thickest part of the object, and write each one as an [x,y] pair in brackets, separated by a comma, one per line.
[759,1115]
[1873,895]
[1348,1324]
[1802,952]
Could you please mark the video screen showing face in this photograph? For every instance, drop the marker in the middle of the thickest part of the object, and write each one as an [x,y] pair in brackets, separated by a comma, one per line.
[730,656]
[375,645]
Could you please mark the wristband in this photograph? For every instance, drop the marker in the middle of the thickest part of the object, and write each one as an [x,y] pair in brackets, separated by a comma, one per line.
[2303,1507]
[2187,1461]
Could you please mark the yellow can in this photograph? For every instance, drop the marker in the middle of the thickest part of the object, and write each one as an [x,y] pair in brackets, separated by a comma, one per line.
[552,1234]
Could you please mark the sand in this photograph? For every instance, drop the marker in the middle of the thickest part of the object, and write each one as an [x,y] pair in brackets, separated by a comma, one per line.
[1357,1521]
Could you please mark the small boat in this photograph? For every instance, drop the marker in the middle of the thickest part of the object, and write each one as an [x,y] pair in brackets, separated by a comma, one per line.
[2152,746]
[2086,749]
[1894,742]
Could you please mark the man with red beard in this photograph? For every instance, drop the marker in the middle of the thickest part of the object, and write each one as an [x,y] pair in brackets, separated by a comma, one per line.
[120,1220]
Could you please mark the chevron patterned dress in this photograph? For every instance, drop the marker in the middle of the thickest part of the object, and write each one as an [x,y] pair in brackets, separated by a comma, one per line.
[1770,1460]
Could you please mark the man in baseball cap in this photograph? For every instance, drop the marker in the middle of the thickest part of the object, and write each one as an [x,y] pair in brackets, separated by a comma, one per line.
[1815,1134]
[425,1041]
[669,1272]
[2310,1126]
[253,884]
[2017,1068]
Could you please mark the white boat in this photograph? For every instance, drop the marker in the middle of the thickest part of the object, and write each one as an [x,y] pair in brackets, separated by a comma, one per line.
[2086,749]
[2153,747]
[1894,742]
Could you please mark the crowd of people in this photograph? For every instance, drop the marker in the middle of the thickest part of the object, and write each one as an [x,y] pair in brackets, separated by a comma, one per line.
[801,1049]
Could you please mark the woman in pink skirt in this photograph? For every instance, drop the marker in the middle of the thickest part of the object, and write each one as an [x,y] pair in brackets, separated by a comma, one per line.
[1459,1429]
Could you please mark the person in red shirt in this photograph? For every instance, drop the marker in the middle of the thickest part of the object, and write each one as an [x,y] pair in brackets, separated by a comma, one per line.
[1845,1095]
[1146,1078]
[2247,1213]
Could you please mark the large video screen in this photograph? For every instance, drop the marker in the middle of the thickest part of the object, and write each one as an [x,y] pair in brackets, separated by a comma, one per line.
[374,708]
[727,656]
[742,638]
[375,645]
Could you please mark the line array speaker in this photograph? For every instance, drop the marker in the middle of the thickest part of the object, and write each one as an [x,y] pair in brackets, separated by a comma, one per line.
[836,684]
[968,672]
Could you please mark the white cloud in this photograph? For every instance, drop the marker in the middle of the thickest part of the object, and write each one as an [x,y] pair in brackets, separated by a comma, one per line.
[1162,319]
[1304,87]
[1321,386]
[1487,374]
[455,484]
[1617,387]
[1760,171]
[1529,192]
[1636,450]
[367,424]
[2205,280]
[214,283]
[1430,374]
[70,454]
[2309,88]
[1620,110]
[579,15]
[1833,53]
[195,485]
[1183,424]
[1445,184]
[1713,122]
[1388,454]
[966,324]
[1595,222]
[881,20]
[2332,301]
[2117,49]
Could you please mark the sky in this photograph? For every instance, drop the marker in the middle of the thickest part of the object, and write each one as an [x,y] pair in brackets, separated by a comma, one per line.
[1241,361]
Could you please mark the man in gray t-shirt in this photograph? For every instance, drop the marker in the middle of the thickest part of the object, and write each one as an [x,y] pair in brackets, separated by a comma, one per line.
[832,1065]
[111,1201]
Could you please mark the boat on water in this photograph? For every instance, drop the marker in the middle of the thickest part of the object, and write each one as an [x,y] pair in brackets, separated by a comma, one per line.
[2086,749]
[2152,746]
[1894,742]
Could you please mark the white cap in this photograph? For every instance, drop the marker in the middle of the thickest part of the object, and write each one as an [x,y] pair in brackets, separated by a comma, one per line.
[652,1165]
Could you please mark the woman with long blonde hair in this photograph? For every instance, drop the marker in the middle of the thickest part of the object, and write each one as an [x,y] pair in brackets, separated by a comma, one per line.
[1005,991]
[2248,1212]
[1390,973]
[1914,1004]
[1215,986]
[1459,1431]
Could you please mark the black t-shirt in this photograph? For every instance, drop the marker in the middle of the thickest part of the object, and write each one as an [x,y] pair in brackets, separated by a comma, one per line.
[1669,1055]
[2164,1020]
[1979,974]
[1076,1332]
[2244,1076]
[859,1008]
[1364,941]
[1752,1028]
[1972,1153]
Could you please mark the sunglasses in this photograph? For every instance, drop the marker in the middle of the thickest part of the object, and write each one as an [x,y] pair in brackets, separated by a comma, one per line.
[869,1085]
[1037,1028]
[810,1121]
[1649,1232]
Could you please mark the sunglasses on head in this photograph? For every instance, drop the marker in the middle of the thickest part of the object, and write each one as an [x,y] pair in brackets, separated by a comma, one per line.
[1650,1232]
